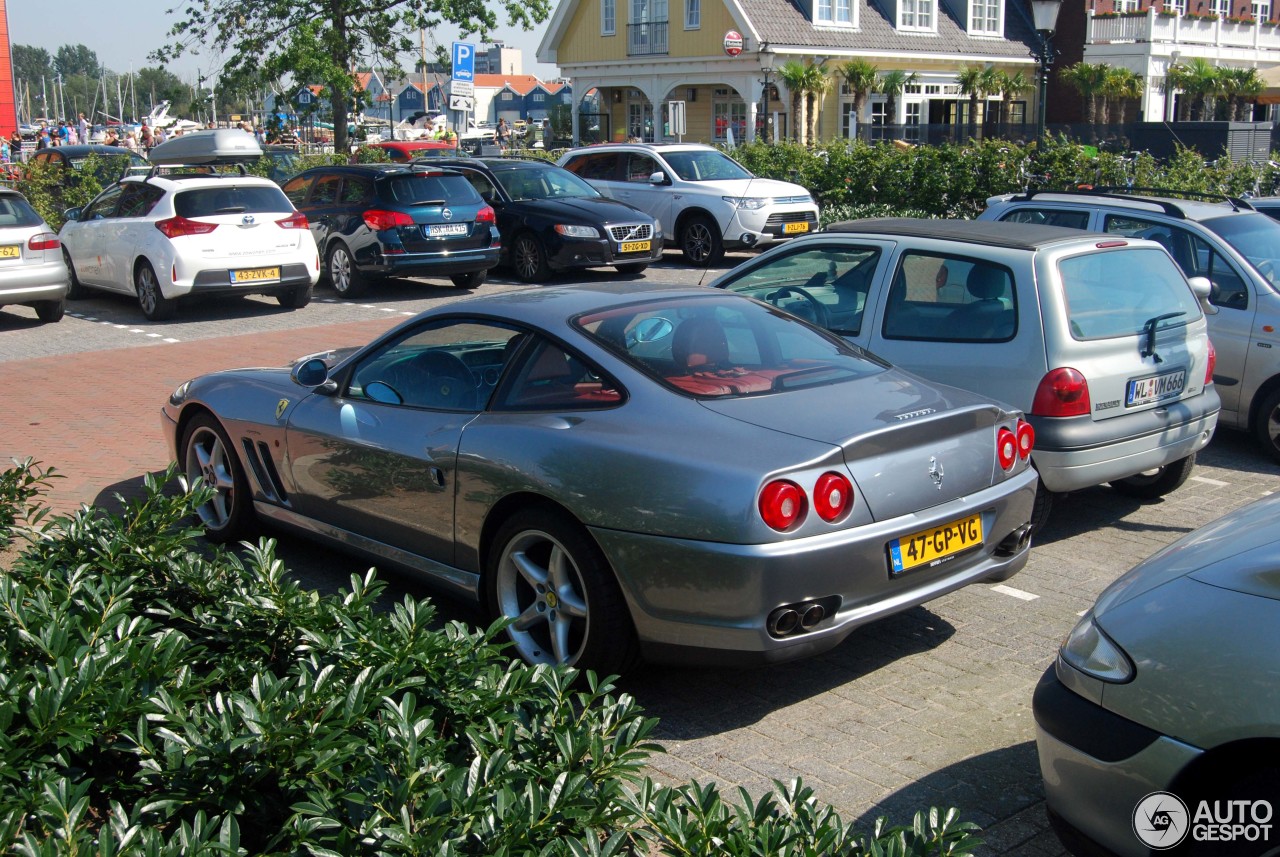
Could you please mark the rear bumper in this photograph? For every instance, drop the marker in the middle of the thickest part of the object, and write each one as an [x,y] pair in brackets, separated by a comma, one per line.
[431,264]
[31,283]
[598,253]
[218,282]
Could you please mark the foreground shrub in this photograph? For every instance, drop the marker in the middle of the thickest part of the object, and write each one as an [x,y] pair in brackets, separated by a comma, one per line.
[161,697]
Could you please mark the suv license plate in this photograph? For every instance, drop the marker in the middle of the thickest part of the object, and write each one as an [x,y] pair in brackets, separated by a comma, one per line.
[255,275]
[1144,391]
[442,229]
[934,546]
[634,247]
[792,228]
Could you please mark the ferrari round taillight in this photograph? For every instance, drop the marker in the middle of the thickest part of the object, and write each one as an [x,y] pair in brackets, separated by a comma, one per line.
[1006,448]
[782,504]
[832,496]
[1213,362]
[1062,393]
[1026,439]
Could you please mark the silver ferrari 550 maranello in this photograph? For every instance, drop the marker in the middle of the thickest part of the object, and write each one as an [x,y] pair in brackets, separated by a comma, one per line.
[674,473]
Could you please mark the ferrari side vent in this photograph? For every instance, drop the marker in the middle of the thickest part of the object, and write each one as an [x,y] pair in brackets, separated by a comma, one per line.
[263,470]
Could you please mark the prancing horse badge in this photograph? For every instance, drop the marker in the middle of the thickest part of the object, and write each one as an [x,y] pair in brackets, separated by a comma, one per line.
[280,406]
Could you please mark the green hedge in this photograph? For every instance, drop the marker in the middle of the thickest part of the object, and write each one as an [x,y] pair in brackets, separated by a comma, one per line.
[161,697]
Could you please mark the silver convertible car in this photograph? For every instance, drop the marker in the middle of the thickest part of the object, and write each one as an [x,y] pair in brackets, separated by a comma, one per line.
[680,474]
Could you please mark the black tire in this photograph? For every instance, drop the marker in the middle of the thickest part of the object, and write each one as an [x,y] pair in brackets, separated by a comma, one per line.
[1158,482]
[1041,508]
[343,274]
[1266,424]
[75,291]
[50,311]
[206,452]
[471,280]
[155,306]
[632,268]
[529,259]
[295,298]
[519,579]
[700,241]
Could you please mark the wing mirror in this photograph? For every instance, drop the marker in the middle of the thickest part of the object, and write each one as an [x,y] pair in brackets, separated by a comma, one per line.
[658,177]
[1202,288]
[310,373]
[72,214]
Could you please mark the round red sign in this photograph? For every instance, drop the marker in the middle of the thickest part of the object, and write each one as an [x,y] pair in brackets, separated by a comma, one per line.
[733,43]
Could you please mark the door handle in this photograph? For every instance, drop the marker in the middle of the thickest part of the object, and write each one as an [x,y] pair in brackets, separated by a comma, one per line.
[437,476]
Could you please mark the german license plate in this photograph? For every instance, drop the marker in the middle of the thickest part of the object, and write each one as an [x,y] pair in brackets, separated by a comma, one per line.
[634,247]
[935,546]
[10,251]
[255,275]
[1143,391]
[440,230]
[792,228]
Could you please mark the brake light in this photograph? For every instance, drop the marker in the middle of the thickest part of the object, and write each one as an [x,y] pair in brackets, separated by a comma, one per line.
[1213,363]
[44,241]
[1006,448]
[176,227]
[297,220]
[1026,439]
[832,496]
[486,215]
[782,504]
[1062,393]
[378,220]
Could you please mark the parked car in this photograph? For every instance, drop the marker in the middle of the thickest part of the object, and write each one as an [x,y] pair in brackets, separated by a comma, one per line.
[31,269]
[113,162]
[1170,686]
[705,200]
[284,161]
[404,151]
[551,220]
[677,471]
[1224,240]
[378,220]
[1099,339]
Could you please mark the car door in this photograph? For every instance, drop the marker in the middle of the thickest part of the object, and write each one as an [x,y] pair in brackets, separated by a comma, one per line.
[656,200]
[125,233]
[600,169]
[510,215]
[85,238]
[379,457]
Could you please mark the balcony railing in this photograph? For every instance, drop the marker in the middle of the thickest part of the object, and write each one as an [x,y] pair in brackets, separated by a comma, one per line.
[647,39]
[1154,27]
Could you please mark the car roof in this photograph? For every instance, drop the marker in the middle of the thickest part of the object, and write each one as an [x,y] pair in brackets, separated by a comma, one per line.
[187,180]
[1214,205]
[89,148]
[549,307]
[648,147]
[383,169]
[493,164]
[991,233]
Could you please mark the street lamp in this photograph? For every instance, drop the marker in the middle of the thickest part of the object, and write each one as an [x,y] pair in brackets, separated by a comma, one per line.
[1044,13]
[766,68]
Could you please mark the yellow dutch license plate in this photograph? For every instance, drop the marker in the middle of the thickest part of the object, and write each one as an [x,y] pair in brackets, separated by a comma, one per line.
[10,251]
[634,247]
[935,546]
[255,275]
[792,228]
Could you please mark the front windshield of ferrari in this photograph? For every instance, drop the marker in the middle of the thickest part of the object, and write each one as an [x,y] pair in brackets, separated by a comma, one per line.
[717,347]
[700,165]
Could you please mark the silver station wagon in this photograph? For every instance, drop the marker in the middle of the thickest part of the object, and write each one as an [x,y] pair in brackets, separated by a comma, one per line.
[1100,339]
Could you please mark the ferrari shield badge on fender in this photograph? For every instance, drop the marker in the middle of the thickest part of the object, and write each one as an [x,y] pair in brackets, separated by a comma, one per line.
[280,406]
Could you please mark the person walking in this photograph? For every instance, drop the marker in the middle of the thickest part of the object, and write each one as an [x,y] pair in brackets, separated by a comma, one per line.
[82,126]
[144,136]
[502,134]
[15,145]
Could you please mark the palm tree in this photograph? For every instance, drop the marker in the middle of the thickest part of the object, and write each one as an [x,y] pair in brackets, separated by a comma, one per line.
[1174,79]
[1088,79]
[970,78]
[1203,82]
[1241,86]
[815,86]
[1120,86]
[988,85]
[1011,86]
[792,74]
[860,77]
[893,84]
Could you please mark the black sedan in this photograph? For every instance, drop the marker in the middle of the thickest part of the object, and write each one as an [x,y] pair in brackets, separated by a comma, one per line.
[551,220]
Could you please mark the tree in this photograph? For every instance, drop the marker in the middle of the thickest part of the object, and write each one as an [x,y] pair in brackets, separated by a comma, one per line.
[324,41]
[30,64]
[1119,87]
[815,85]
[154,84]
[892,84]
[971,80]
[1201,81]
[792,74]
[77,59]
[1088,79]
[1011,86]
[862,78]
[1241,87]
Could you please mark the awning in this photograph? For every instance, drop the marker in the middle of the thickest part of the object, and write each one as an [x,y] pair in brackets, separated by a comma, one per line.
[1271,80]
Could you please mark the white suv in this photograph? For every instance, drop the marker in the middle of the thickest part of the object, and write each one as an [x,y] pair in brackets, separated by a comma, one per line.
[163,237]
[705,200]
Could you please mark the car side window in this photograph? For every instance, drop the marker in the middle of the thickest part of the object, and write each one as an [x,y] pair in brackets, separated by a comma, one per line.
[326,190]
[825,284]
[296,189]
[600,166]
[355,191]
[640,167]
[137,200]
[483,186]
[104,205]
[950,299]
[1048,217]
[1227,287]
[548,377]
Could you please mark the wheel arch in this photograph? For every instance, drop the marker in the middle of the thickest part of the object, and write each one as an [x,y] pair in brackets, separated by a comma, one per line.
[513,504]
[696,211]
[1265,389]
[1217,767]
[185,416]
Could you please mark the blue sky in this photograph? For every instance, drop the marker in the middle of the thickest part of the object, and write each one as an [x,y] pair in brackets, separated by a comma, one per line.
[122,34]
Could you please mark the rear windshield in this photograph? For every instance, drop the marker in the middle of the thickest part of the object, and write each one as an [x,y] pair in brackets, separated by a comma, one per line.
[232,199]
[1121,293]
[726,347]
[418,190]
[16,211]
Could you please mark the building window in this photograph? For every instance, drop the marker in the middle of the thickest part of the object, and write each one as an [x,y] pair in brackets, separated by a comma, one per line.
[879,118]
[1126,5]
[506,96]
[848,128]
[729,116]
[985,17]
[692,14]
[1262,11]
[647,28]
[1221,8]
[539,97]
[823,13]
[844,11]
[912,133]
[608,21]
[918,14]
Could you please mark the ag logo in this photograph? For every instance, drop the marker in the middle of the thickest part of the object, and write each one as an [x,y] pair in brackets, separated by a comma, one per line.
[1160,820]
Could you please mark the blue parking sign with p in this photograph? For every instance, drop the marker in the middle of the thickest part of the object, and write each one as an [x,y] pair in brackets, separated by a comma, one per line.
[464,61]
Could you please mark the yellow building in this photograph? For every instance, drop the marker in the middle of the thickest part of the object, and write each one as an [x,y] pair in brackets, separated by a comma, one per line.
[642,55]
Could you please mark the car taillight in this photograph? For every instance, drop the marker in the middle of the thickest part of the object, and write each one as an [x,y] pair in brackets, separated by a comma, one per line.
[1213,362]
[44,241]
[832,496]
[176,227]
[1026,439]
[1006,448]
[1062,393]
[297,220]
[486,215]
[378,220]
[782,504]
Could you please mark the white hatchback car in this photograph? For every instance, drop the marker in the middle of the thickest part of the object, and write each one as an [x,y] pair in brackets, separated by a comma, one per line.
[163,237]
[31,268]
